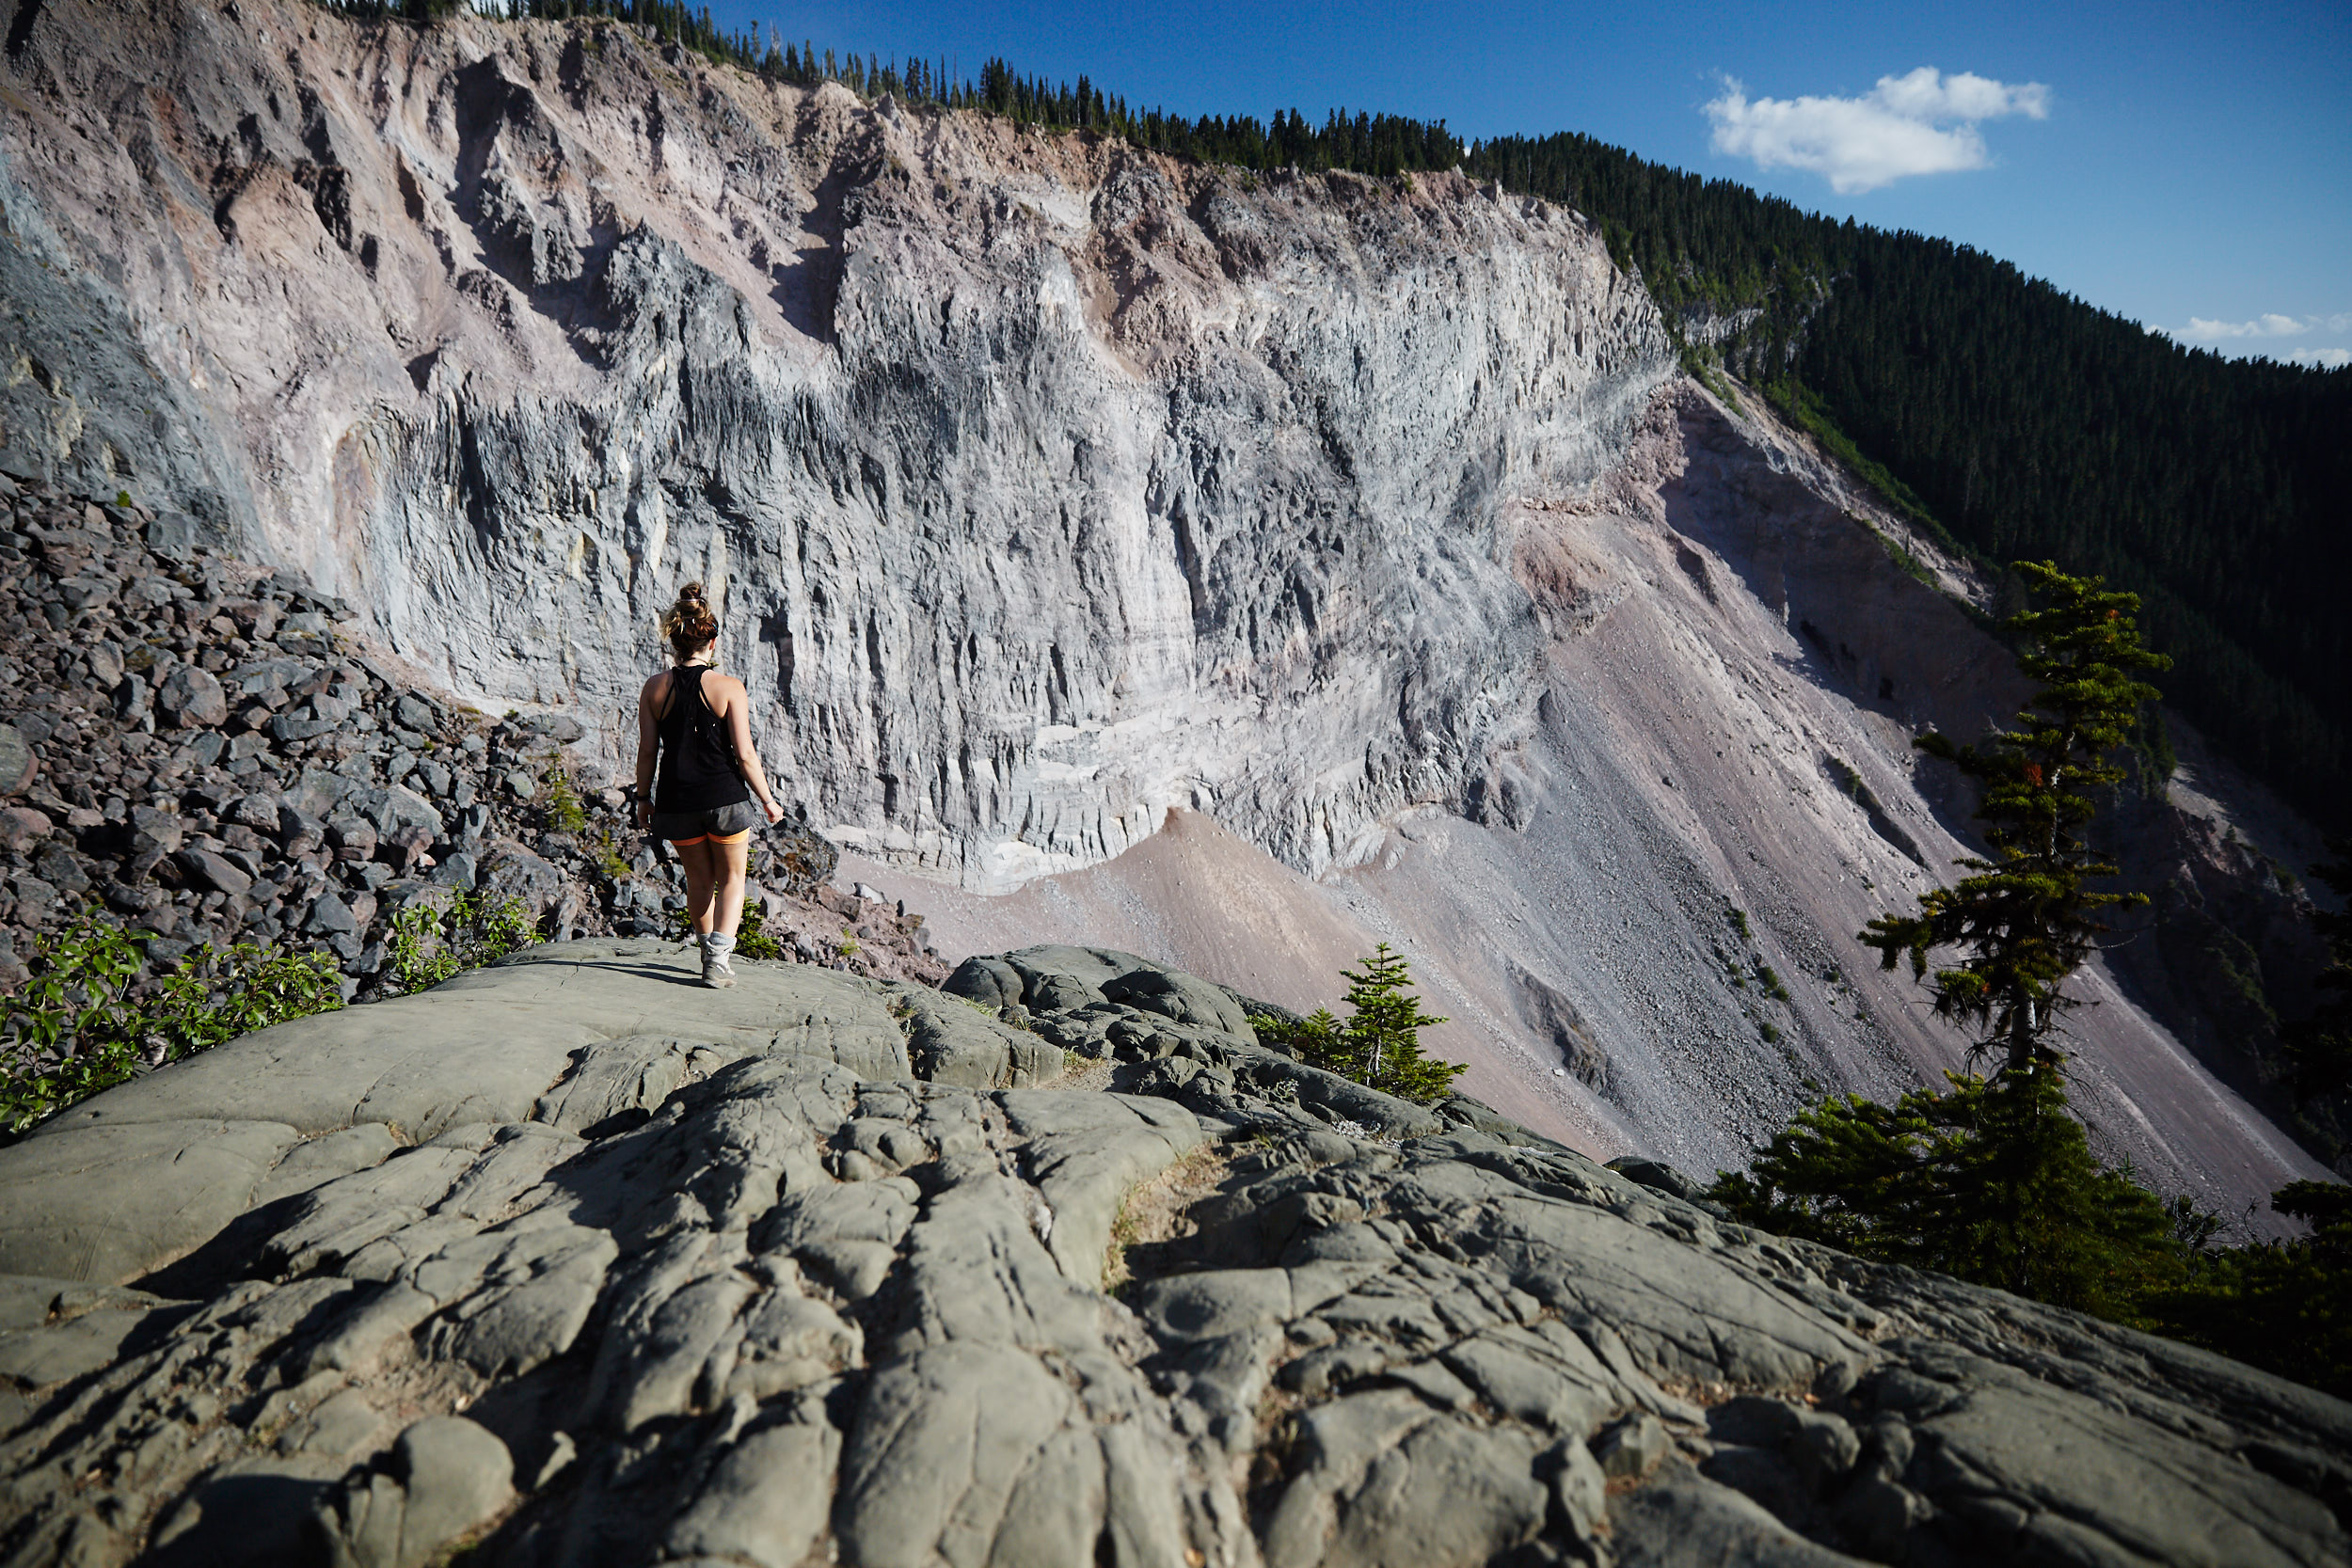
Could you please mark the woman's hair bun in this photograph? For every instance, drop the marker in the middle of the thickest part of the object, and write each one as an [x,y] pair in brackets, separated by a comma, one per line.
[688,624]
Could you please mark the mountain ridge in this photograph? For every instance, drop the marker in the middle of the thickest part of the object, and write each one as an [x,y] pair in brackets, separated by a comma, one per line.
[1049,486]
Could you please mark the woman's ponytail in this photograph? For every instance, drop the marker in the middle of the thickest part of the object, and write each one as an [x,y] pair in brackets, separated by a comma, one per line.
[688,624]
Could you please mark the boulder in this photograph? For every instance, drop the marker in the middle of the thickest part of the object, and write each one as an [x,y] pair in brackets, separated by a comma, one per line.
[444,1476]
[990,982]
[298,833]
[36,901]
[19,762]
[330,916]
[356,834]
[191,698]
[798,859]
[57,864]
[287,728]
[210,870]
[22,825]
[173,535]
[512,871]
[455,870]
[1180,997]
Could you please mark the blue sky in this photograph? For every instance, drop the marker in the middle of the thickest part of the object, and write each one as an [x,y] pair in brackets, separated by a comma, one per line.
[2175,164]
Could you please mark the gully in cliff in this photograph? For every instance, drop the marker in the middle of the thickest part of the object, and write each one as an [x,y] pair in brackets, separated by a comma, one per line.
[698,723]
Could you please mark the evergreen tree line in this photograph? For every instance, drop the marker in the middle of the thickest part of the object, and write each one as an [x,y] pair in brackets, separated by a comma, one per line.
[1365,143]
[2013,419]
[2028,422]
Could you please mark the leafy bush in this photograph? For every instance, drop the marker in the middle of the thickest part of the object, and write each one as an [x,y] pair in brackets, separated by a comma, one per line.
[78,1026]
[433,942]
[751,935]
[751,940]
[1379,1045]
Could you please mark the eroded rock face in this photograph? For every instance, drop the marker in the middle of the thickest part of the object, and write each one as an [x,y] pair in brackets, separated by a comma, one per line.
[815,1270]
[1043,483]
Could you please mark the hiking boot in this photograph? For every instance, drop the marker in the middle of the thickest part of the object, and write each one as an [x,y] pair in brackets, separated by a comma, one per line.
[717,973]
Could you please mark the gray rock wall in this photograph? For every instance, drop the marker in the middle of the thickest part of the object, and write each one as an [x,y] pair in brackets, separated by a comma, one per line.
[1048,483]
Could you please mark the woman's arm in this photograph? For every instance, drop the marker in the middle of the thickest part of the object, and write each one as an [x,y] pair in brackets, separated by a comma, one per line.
[740,727]
[648,741]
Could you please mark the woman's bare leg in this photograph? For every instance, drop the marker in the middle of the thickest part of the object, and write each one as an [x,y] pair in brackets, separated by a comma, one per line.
[730,865]
[701,872]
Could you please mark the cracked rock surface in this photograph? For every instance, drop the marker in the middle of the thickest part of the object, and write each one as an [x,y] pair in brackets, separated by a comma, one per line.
[574,1261]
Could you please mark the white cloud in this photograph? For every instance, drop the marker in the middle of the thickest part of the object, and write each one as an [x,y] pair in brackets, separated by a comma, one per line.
[1922,122]
[2231,337]
[2199,330]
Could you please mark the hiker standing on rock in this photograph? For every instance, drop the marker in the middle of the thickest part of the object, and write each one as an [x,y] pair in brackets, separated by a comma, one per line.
[699,723]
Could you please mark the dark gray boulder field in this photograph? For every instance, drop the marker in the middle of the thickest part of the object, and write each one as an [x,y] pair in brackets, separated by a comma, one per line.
[572,1261]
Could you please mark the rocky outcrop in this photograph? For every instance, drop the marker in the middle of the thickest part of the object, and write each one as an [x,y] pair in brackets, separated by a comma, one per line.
[211,753]
[576,1261]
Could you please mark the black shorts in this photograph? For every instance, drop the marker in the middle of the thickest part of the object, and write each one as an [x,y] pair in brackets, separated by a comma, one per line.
[719,824]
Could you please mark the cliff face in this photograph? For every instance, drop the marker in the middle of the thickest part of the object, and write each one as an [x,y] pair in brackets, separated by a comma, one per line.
[1050,486]
[1049,483]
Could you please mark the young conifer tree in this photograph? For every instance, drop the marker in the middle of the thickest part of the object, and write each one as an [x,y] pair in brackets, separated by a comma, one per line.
[1384,1030]
[1993,1180]
[1379,1045]
[2028,918]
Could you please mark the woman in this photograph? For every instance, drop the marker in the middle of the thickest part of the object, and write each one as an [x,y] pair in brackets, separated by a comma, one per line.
[699,722]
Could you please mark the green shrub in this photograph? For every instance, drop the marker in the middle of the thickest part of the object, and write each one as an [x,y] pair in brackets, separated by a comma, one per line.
[77,1026]
[431,942]
[609,857]
[1379,1045]
[751,936]
[751,940]
[2285,1307]
[216,994]
[563,814]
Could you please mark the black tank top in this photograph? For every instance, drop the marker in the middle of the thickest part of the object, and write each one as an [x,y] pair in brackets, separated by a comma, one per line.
[699,771]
